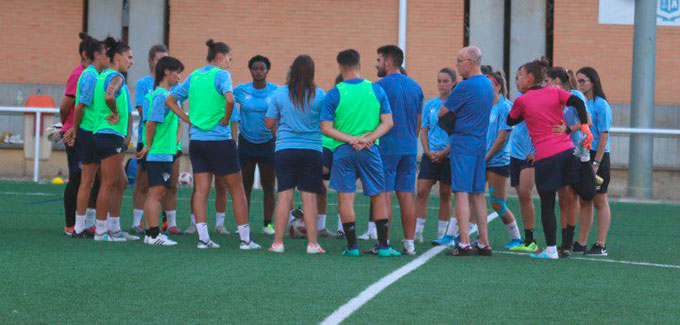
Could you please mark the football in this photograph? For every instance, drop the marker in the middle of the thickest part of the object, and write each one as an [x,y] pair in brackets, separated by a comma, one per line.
[297,229]
[186,179]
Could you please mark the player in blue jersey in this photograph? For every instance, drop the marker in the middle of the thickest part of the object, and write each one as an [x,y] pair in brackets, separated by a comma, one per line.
[399,147]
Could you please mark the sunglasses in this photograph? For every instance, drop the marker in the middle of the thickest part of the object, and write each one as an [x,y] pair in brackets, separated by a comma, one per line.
[583,81]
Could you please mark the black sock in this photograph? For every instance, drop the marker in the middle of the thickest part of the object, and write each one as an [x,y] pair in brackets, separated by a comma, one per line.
[564,235]
[381,227]
[569,238]
[529,235]
[351,234]
[153,232]
[267,222]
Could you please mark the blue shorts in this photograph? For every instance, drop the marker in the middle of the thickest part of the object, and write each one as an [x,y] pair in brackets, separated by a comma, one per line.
[400,172]
[85,149]
[299,168]
[215,157]
[348,164]
[435,171]
[468,173]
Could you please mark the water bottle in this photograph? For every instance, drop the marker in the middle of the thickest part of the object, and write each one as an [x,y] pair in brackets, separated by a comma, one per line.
[582,152]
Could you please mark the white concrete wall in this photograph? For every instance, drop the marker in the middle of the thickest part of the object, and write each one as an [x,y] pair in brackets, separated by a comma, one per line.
[104,18]
[527,35]
[486,30]
[147,27]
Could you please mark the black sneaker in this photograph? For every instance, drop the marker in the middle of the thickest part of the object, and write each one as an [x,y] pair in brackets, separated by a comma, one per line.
[458,251]
[297,213]
[372,251]
[578,248]
[564,252]
[83,234]
[486,251]
[596,250]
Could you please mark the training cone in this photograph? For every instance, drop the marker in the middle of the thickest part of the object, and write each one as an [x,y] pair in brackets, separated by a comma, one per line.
[57,180]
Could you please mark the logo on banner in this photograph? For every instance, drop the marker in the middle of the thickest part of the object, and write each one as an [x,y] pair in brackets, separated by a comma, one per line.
[669,10]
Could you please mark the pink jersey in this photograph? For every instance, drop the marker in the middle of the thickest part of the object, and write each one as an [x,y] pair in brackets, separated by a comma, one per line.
[71,85]
[541,110]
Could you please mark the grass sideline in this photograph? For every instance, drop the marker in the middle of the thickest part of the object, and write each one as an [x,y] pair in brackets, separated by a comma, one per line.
[48,278]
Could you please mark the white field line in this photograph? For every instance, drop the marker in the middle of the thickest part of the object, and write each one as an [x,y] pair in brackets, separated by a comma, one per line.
[604,260]
[355,303]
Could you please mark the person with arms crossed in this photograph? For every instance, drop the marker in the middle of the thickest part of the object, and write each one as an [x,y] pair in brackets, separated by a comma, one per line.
[466,114]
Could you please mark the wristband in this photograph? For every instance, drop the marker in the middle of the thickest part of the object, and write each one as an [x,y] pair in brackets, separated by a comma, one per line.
[568,130]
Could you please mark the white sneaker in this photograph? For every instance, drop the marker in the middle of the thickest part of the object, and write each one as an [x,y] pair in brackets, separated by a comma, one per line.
[268,230]
[277,247]
[249,246]
[190,230]
[160,240]
[209,244]
[370,234]
[315,249]
[128,236]
[409,249]
[108,237]
[222,230]
[419,237]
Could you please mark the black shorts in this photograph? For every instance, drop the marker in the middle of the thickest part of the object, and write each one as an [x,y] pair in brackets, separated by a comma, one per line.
[255,153]
[327,161]
[299,168]
[602,171]
[557,171]
[503,171]
[435,171]
[72,159]
[160,173]
[215,157]
[85,148]
[516,167]
[107,145]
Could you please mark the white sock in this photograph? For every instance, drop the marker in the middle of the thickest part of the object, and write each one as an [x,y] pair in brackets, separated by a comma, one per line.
[172,218]
[480,246]
[441,228]
[137,215]
[453,227]
[552,250]
[101,227]
[340,228]
[219,217]
[463,245]
[321,223]
[193,219]
[512,230]
[371,227]
[113,223]
[408,243]
[80,223]
[91,215]
[202,229]
[244,232]
[420,225]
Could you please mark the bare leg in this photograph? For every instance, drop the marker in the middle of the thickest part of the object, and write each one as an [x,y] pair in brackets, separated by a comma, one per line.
[152,205]
[477,200]
[202,184]
[462,212]
[526,203]
[311,215]
[424,186]
[240,206]
[603,217]
[407,203]
[283,208]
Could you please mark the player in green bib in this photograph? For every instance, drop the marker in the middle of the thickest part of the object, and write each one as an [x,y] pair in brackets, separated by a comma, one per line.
[160,147]
[111,110]
[81,134]
[355,114]
[211,148]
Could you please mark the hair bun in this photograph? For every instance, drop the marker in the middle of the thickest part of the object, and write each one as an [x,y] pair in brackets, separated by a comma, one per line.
[83,36]
[544,62]
[210,43]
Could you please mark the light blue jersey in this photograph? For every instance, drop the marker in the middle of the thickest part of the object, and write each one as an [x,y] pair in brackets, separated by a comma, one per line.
[498,122]
[601,113]
[297,128]
[437,138]
[253,104]
[144,86]
[571,117]
[222,85]
[520,141]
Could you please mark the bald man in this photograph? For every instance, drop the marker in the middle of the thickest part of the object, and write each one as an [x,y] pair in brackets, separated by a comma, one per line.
[466,115]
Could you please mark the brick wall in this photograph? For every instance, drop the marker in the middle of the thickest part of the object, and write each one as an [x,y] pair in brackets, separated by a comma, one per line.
[579,40]
[281,30]
[39,40]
